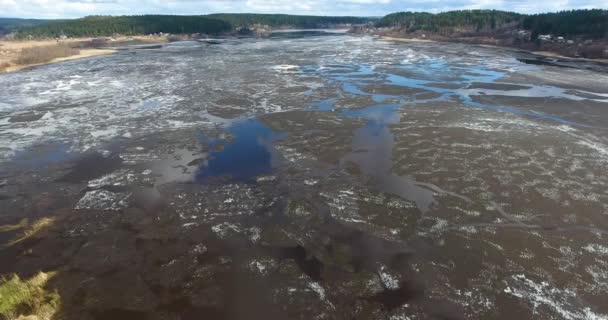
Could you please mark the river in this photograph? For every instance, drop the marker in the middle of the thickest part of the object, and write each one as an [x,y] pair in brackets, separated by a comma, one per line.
[310,175]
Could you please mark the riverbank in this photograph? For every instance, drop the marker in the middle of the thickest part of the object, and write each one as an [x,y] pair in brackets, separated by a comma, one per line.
[86,53]
[546,54]
[12,51]
[550,54]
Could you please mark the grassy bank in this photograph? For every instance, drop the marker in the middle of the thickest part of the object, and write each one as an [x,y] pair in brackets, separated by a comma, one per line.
[43,54]
[27,298]
[17,55]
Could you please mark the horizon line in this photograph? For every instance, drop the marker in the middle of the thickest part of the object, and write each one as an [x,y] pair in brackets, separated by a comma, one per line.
[287,14]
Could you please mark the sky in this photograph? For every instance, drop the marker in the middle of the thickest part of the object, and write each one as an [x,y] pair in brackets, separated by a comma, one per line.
[52,9]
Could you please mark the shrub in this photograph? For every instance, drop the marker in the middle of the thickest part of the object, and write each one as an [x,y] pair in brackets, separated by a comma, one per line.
[44,54]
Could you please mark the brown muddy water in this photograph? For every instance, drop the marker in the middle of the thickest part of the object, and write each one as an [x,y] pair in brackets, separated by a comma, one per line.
[309,177]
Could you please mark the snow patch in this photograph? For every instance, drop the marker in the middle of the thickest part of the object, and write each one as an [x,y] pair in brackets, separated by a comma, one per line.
[103,200]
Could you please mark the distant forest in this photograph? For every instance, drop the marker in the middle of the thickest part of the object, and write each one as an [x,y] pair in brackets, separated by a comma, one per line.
[213,24]
[8,25]
[587,23]
[590,23]
[94,26]
[239,20]
[577,23]
[451,20]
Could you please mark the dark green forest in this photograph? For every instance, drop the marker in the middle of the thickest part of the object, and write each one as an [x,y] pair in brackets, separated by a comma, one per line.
[451,20]
[8,25]
[576,23]
[94,26]
[590,23]
[586,23]
[282,20]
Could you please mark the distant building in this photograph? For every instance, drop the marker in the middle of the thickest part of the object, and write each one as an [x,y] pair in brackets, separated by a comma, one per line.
[523,34]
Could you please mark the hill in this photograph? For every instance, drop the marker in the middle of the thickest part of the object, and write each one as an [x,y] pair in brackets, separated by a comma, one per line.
[588,23]
[451,21]
[574,33]
[8,25]
[575,23]
[239,20]
[213,24]
[94,26]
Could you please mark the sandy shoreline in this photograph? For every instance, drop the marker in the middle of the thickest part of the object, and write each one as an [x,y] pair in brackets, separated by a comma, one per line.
[10,50]
[84,53]
[547,54]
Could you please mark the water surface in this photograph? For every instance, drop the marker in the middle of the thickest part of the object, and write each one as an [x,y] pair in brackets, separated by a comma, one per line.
[311,175]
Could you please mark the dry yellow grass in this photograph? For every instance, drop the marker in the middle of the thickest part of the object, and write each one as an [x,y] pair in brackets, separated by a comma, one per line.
[29,229]
[11,227]
[11,52]
[34,228]
[42,54]
[27,299]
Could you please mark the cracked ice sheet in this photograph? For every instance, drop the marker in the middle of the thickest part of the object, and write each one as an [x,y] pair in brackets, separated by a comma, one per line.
[562,302]
[95,101]
[103,200]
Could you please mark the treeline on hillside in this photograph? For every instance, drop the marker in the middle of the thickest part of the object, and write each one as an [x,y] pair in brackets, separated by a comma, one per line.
[577,23]
[94,26]
[590,23]
[586,23]
[8,25]
[449,21]
[239,20]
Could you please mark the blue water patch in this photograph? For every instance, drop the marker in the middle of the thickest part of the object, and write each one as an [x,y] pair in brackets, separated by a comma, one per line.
[351,85]
[43,155]
[351,88]
[325,105]
[248,154]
